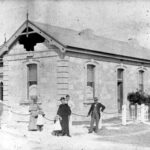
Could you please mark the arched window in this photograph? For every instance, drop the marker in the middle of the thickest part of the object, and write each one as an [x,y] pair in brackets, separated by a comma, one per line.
[120,90]
[141,80]
[32,76]
[91,80]
[1,91]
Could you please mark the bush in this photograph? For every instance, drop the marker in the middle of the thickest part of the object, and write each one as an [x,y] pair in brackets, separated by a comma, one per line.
[147,100]
[138,98]
[132,98]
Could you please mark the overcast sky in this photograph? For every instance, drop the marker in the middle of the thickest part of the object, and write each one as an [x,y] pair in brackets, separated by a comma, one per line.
[116,19]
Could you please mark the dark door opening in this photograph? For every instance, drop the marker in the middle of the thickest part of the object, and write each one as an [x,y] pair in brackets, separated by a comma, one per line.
[1,91]
[120,89]
[120,96]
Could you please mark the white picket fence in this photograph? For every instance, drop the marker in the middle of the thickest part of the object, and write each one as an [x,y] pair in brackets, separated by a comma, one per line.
[140,114]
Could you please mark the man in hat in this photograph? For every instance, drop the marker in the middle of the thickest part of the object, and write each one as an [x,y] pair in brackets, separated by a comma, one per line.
[94,111]
[64,112]
[71,105]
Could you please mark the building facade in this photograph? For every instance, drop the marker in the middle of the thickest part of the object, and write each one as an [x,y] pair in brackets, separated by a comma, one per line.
[63,61]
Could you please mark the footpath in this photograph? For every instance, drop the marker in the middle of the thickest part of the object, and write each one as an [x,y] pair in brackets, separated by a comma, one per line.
[112,136]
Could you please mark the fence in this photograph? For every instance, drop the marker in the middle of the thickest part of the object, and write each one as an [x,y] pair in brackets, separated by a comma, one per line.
[137,112]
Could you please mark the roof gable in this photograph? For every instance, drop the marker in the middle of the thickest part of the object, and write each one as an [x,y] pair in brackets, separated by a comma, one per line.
[21,31]
[72,38]
[65,39]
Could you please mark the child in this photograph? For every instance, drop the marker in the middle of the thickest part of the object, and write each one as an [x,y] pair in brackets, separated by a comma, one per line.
[57,131]
[40,120]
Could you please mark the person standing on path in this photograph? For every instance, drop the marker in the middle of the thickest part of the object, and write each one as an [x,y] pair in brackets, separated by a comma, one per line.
[40,119]
[94,111]
[64,112]
[71,105]
[34,111]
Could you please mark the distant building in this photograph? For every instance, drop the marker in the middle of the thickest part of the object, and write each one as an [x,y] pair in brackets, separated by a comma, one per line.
[63,61]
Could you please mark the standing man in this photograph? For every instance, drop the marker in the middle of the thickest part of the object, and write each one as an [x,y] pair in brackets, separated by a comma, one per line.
[71,105]
[95,109]
[64,113]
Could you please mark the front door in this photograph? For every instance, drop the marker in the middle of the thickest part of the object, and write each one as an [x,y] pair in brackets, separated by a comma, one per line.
[120,96]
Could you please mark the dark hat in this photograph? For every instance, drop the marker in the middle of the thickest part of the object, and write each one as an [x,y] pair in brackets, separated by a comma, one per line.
[67,95]
[62,98]
[95,99]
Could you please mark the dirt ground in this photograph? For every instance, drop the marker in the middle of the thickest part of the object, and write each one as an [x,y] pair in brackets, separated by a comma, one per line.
[112,136]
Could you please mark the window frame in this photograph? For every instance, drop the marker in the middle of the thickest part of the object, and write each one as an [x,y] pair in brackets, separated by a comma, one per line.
[93,66]
[141,73]
[28,81]
[120,80]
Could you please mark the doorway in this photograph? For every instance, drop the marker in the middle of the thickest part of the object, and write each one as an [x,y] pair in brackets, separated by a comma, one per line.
[1,91]
[120,89]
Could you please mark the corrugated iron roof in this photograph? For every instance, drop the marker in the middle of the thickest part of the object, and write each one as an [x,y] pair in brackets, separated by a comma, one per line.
[87,40]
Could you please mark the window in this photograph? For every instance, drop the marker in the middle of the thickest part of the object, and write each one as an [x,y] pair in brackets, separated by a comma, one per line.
[1,91]
[141,80]
[32,75]
[91,81]
[120,74]
[1,62]
[120,89]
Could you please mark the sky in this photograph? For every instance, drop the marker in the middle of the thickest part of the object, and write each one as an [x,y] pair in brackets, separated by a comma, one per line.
[115,19]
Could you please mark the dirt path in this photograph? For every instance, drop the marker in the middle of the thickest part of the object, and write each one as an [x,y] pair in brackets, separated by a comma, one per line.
[14,139]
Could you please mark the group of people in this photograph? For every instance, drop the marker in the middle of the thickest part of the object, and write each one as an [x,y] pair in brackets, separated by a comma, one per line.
[64,117]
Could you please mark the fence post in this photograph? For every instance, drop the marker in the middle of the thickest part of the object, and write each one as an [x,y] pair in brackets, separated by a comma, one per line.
[124,111]
[100,121]
[142,113]
[146,112]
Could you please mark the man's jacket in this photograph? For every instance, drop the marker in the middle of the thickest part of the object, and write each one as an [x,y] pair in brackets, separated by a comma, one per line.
[99,107]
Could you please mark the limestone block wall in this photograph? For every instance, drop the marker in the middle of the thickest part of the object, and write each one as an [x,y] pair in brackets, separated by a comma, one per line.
[147,80]
[15,76]
[62,77]
[77,86]
[58,76]
[106,84]
[105,80]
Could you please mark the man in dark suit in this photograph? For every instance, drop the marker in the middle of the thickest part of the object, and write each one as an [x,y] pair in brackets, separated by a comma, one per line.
[64,112]
[94,111]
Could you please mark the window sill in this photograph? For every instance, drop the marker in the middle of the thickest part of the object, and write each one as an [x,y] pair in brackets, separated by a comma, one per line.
[28,103]
[25,103]
[88,102]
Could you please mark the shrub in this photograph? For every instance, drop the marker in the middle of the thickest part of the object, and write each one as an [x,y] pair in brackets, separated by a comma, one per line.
[138,97]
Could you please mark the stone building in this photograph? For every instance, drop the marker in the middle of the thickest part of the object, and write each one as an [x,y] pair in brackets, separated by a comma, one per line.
[63,61]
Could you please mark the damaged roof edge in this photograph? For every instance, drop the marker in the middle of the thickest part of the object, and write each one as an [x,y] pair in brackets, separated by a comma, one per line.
[108,55]
[47,34]
[73,42]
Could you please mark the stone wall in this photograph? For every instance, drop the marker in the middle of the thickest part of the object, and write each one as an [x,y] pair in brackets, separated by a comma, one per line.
[106,84]
[15,76]
[58,76]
